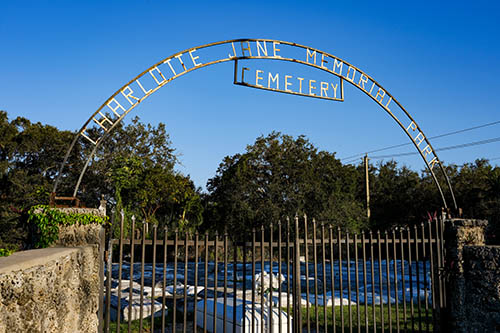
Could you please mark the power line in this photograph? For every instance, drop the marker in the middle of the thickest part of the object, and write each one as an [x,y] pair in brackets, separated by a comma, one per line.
[464,145]
[409,143]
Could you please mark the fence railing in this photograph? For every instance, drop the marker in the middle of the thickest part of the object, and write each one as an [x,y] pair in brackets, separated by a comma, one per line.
[293,276]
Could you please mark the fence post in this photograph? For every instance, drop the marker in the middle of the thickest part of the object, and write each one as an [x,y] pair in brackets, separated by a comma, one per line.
[457,234]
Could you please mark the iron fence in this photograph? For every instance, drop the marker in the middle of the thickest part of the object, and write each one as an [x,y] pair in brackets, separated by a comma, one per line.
[294,276]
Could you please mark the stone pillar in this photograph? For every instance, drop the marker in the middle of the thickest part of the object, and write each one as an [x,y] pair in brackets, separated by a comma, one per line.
[459,233]
[482,288]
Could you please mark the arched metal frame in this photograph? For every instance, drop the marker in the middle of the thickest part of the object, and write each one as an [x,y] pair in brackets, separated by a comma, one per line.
[107,124]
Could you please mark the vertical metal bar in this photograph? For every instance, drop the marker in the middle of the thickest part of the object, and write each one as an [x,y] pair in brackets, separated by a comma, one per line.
[206,286]
[380,282]
[174,294]
[439,263]
[365,278]
[433,280]
[426,294]
[108,280]
[143,258]
[244,303]
[153,281]
[410,273]
[279,276]
[296,276]
[403,282]
[270,251]
[306,243]
[356,270]
[120,265]
[186,262]
[341,287]
[441,241]
[417,264]
[289,314]
[349,297]
[235,289]
[163,296]
[253,280]
[216,270]
[395,265]
[315,259]
[332,277]
[225,283]
[372,257]
[195,326]
[132,247]
[102,264]
[323,256]
[261,279]
[388,279]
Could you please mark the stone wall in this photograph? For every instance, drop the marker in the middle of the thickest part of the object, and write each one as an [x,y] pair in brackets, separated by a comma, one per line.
[473,271]
[50,290]
[482,289]
[55,289]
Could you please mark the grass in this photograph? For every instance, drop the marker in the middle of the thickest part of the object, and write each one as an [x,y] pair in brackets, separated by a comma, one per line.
[424,319]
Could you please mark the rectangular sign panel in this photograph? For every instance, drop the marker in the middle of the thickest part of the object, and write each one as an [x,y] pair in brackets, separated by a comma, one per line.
[288,83]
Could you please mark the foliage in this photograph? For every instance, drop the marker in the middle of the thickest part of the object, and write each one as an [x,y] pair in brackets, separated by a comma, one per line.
[5,252]
[47,220]
[279,176]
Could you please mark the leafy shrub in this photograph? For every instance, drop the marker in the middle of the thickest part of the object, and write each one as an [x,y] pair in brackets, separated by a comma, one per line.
[5,252]
[47,220]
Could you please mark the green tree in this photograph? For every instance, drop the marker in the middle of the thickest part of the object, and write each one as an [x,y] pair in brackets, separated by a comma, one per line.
[280,176]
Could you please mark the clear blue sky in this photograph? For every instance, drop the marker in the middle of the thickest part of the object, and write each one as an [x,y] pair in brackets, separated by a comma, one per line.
[60,60]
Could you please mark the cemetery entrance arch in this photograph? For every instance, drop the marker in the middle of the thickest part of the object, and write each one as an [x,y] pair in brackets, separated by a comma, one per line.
[239,51]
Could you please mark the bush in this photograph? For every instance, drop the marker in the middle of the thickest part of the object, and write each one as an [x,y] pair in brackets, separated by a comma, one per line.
[46,222]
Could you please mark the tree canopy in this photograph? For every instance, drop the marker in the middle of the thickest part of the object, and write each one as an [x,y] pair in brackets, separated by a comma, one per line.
[277,176]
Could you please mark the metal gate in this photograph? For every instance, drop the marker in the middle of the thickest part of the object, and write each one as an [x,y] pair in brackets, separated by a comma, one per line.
[295,275]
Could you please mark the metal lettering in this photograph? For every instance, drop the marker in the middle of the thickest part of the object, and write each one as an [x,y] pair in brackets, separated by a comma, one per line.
[287,83]
[353,74]
[310,55]
[179,57]
[361,82]
[275,49]
[243,49]
[323,61]
[243,69]
[412,125]
[118,106]
[300,83]
[432,162]
[311,87]
[257,78]
[426,151]
[274,79]
[419,138]
[144,90]
[154,77]
[324,88]
[102,121]
[128,95]
[337,64]
[170,65]
[380,93]
[193,59]
[234,52]
[334,89]
[264,49]
[387,104]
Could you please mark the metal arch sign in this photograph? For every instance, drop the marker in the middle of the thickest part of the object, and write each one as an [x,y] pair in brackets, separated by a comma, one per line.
[160,74]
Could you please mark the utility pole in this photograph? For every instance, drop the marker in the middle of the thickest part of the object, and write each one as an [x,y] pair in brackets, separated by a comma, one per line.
[367,181]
